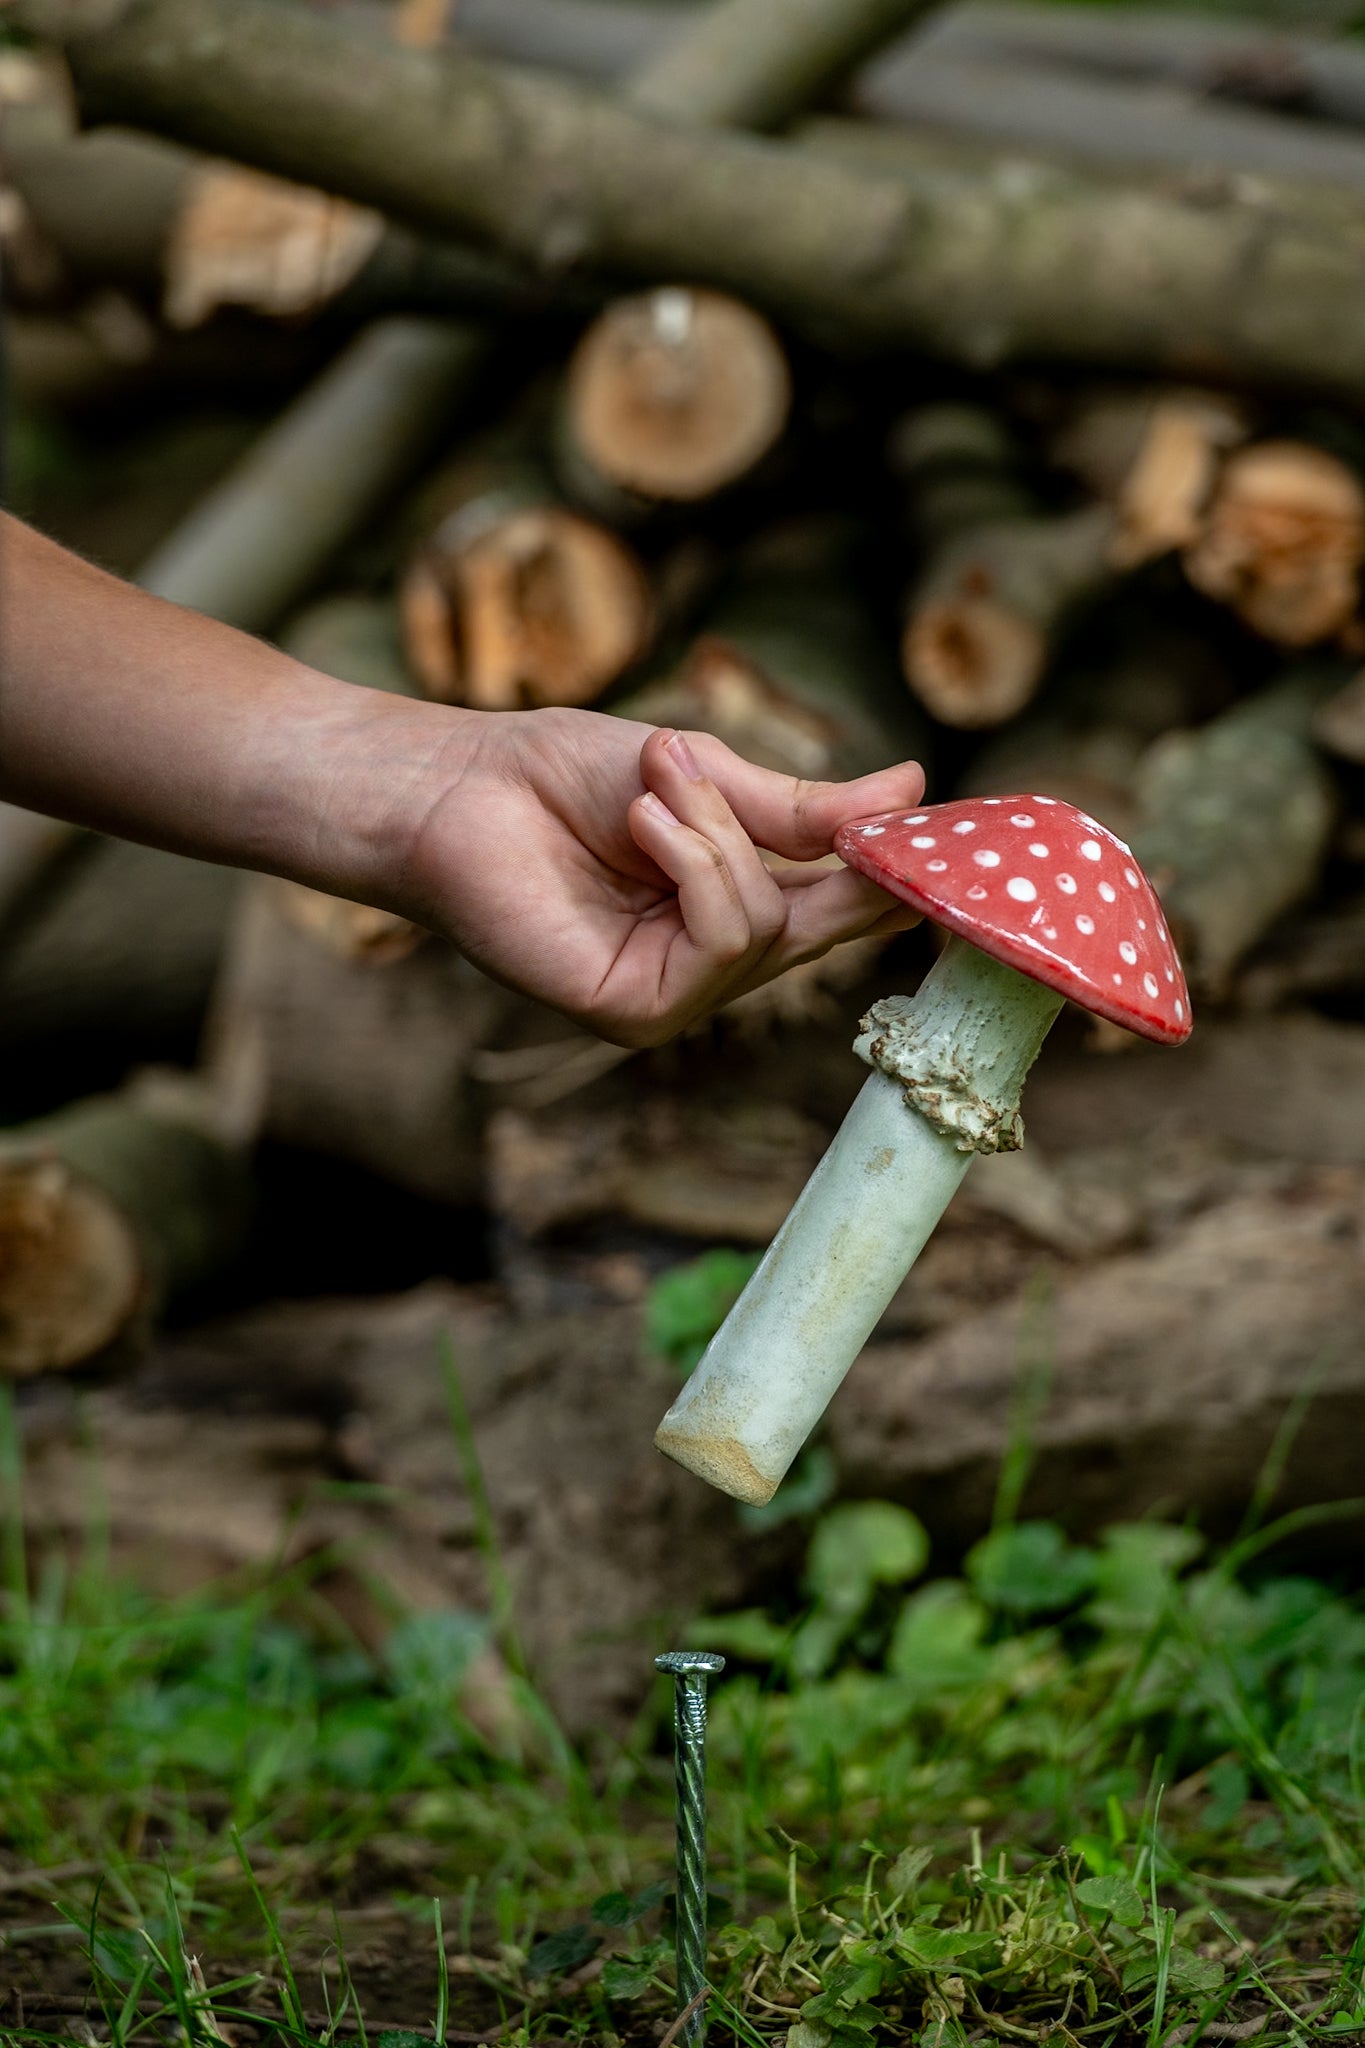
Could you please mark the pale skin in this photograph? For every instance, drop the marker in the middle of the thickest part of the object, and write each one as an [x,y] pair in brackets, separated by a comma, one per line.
[607,868]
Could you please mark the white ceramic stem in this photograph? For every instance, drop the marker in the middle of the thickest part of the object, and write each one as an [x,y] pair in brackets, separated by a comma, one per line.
[960,1049]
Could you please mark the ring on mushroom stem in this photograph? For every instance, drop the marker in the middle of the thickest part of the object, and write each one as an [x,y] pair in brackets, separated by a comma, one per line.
[1044,905]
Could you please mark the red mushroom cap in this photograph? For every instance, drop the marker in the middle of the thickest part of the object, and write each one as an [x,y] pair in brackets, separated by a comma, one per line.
[1043,887]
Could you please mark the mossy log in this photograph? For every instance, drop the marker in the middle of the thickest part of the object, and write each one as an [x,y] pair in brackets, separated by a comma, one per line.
[1001,575]
[1253,285]
[1235,821]
[107,1211]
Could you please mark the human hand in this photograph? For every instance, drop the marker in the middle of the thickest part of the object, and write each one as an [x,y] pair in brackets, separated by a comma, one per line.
[613,871]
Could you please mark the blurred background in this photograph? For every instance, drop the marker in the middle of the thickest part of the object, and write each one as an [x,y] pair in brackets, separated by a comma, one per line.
[1058,485]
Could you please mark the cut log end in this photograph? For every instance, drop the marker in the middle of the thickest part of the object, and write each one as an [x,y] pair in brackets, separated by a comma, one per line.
[723,692]
[1284,542]
[70,1273]
[676,393]
[1163,497]
[972,661]
[243,238]
[534,606]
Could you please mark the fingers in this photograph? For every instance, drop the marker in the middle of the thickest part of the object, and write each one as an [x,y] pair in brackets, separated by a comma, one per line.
[795,818]
[671,771]
[734,924]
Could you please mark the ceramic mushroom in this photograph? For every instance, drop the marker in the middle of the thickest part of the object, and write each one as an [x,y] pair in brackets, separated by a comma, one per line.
[1043,905]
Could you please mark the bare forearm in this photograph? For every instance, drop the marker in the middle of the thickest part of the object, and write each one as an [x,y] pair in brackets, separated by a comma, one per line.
[128,714]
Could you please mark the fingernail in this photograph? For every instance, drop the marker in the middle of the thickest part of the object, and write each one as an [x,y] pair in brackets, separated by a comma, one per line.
[683,755]
[651,803]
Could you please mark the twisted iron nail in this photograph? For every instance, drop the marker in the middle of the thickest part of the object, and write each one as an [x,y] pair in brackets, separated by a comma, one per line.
[690,1670]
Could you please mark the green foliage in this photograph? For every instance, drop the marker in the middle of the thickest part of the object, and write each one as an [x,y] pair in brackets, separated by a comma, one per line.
[688,1304]
[884,1723]
[1029,1568]
[856,1549]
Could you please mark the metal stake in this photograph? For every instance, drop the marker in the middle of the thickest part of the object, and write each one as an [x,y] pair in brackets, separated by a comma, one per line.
[690,1670]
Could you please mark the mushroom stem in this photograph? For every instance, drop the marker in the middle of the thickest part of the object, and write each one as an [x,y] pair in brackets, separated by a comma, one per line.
[950,1064]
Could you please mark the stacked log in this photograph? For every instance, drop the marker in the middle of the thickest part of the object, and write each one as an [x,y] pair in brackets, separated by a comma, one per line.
[841,446]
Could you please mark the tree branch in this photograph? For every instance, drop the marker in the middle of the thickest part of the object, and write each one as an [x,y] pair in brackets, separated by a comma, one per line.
[981,268]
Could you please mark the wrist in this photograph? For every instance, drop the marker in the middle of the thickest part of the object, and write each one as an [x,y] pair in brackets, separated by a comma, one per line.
[374,769]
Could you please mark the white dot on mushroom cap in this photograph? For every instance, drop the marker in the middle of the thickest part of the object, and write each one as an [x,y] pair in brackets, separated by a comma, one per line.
[1048,800]
[1022,818]
[1049,931]
[1130,877]
[992,800]
[1021,890]
[965,825]
[976,893]
[1085,926]
[1170,974]
[1038,850]
[1091,849]
[1108,891]
[873,831]
[986,859]
[919,818]
[1128,952]
[1179,1011]
[1118,981]
[1149,982]
[1142,924]
[924,840]
[1067,884]
[936,867]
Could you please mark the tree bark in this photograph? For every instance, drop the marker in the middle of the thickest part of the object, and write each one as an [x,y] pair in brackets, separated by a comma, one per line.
[790,671]
[1001,576]
[1235,823]
[748,64]
[1103,711]
[326,1053]
[1243,286]
[1008,101]
[107,1210]
[1245,62]
[257,542]
[1155,456]
[108,201]
[1340,722]
[1227,59]
[111,957]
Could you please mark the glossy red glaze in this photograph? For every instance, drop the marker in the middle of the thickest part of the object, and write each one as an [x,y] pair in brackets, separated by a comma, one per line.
[1043,887]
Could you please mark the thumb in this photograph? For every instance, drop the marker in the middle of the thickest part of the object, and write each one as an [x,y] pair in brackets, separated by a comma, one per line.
[796,818]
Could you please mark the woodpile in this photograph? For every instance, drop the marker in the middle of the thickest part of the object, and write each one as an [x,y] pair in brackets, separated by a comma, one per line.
[969,411]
